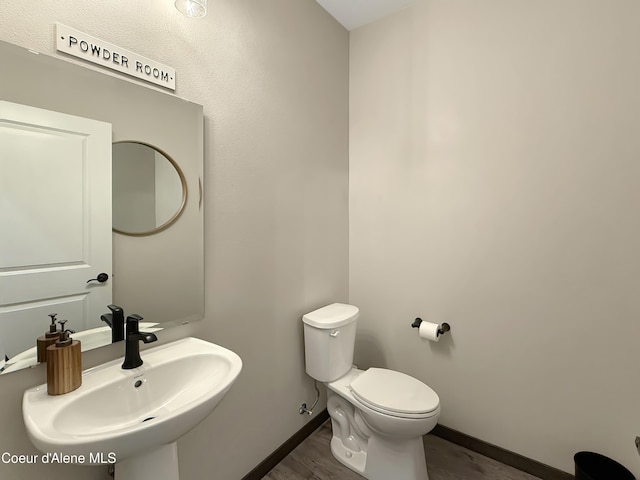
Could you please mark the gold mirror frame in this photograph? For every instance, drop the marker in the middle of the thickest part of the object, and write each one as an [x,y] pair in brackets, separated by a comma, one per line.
[183,201]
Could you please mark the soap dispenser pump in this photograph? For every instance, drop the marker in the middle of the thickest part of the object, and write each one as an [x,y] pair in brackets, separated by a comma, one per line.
[64,364]
[49,338]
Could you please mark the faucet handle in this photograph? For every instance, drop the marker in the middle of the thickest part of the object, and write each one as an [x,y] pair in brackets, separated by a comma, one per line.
[115,308]
[133,323]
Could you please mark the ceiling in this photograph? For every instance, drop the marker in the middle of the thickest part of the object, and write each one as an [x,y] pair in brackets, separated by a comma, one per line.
[355,13]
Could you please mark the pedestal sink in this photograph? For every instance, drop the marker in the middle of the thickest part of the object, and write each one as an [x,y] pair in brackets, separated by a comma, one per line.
[133,417]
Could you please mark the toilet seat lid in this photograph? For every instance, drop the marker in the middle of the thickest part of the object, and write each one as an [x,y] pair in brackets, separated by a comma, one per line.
[394,392]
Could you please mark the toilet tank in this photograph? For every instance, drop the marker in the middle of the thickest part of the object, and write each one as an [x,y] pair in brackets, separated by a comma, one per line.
[329,338]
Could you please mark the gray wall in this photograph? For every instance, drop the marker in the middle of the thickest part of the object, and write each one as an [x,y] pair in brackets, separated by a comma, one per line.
[495,185]
[273,80]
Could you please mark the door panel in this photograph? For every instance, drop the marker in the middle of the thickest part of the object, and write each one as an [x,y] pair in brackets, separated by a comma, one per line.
[19,319]
[55,213]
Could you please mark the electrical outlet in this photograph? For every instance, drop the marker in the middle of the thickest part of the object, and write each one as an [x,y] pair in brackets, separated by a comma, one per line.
[638,445]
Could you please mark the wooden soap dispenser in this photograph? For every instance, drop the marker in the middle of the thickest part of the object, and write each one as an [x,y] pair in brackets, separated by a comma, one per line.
[49,338]
[64,364]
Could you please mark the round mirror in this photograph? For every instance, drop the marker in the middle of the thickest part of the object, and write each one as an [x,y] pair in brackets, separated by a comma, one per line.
[149,189]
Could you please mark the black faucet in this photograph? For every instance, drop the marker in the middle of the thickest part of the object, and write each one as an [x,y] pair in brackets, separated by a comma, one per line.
[133,338]
[115,320]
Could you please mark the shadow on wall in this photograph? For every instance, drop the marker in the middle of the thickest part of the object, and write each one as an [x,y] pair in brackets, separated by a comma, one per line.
[444,346]
[368,351]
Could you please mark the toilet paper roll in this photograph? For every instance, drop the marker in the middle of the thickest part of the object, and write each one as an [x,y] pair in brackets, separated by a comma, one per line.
[429,331]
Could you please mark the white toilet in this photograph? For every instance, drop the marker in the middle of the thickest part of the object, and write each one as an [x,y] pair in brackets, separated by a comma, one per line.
[378,416]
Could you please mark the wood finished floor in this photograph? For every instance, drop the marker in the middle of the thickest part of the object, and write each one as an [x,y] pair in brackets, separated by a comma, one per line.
[312,460]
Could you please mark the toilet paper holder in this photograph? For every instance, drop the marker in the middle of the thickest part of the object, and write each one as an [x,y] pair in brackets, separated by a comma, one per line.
[443,328]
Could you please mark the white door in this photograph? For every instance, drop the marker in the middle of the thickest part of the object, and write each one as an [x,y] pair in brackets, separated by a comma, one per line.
[55,222]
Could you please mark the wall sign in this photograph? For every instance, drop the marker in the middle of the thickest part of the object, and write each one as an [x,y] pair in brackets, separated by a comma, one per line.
[94,50]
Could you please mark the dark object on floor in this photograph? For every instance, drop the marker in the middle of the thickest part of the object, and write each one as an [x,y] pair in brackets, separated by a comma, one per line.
[593,466]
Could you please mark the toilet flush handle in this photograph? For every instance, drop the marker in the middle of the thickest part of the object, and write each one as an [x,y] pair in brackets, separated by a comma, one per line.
[335,333]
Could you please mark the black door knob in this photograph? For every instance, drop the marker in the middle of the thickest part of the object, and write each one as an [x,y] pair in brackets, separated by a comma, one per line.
[102,277]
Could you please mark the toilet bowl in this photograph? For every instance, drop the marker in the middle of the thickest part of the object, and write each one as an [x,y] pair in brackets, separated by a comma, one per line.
[378,416]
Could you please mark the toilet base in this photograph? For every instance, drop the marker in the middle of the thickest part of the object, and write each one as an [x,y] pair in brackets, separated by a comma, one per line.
[355,461]
[397,459]
[374,456]
[384,460]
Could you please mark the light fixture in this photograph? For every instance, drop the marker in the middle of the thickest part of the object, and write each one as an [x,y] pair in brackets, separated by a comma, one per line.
[192,8]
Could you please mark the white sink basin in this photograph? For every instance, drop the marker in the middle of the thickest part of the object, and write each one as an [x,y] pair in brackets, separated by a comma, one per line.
[126,413]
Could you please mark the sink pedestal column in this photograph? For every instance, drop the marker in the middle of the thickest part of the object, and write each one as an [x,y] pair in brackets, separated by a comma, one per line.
[157,464]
